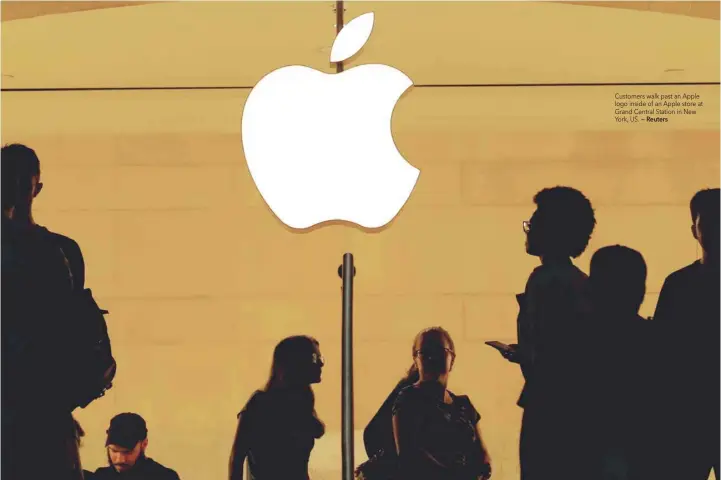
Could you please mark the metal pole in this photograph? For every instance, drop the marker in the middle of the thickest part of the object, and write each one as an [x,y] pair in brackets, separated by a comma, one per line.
[347,272]
[339,8]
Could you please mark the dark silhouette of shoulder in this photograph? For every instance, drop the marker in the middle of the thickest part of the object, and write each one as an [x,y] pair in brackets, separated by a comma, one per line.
[254,405]
[681,276]
[558,293]
[256,399]
[408,397]
[148,470]
[679,290]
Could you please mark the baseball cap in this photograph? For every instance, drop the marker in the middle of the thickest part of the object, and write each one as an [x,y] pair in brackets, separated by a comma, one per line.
[126,430]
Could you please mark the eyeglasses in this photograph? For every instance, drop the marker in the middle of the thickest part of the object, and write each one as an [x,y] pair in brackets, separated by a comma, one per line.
[526,226]
[316,359]
[427,353]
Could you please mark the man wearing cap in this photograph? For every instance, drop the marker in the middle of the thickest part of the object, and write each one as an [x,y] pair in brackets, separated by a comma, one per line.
[126,443]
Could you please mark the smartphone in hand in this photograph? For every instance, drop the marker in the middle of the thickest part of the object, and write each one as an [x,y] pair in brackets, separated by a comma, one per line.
[509,352]
[500,346]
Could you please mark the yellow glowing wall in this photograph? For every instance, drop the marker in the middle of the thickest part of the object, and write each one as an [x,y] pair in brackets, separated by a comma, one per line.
[202,280]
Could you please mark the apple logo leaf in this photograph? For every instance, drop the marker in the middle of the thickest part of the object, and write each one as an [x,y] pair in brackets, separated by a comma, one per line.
[351,38]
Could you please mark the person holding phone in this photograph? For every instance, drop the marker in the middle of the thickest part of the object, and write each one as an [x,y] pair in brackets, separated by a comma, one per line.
[552,311]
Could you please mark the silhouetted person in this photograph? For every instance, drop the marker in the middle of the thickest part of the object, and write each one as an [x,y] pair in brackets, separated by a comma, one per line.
[37,281]
[436,432]
[126,443]
[278,426]
[26,165]
[378,437]
[687,318]
[618,348]
[553,312]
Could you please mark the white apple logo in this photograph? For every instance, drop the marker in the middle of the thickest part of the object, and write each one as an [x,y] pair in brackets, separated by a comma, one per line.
[319,146]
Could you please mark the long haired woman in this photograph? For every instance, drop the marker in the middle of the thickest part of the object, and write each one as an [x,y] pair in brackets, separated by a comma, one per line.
[278,426]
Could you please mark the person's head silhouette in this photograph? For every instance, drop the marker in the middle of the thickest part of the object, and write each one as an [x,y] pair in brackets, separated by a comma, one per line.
[705,213]
[562,224]
[618,280]
[20,181]
[297,362]
[433,353]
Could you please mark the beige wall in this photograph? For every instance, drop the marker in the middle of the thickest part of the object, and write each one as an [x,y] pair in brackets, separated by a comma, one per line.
[14,10]
[202,280]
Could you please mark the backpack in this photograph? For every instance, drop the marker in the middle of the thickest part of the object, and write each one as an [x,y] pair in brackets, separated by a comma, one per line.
[54,336]
[90,364]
